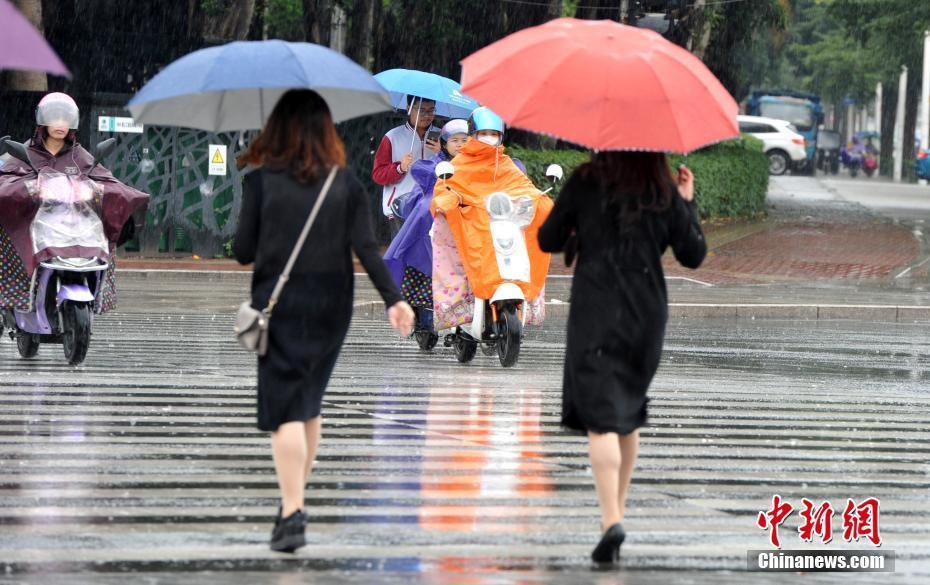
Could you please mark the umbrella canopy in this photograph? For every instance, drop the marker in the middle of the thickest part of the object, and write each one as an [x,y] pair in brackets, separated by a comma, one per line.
[236,86]
[603,85]
[24,48]
[450,101]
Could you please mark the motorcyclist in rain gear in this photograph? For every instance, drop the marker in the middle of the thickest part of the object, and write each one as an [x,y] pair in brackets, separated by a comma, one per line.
[54,146]
[466,260]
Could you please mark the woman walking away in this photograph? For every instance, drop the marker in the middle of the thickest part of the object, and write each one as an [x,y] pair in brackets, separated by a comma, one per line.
[295,152]
[622,210]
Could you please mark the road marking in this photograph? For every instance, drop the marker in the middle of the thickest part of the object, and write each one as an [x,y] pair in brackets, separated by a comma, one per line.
[909,268]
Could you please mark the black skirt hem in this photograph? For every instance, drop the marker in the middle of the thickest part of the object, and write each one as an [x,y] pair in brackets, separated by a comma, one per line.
[577,427]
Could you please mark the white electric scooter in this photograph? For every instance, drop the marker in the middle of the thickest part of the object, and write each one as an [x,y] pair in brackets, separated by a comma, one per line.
[497,323]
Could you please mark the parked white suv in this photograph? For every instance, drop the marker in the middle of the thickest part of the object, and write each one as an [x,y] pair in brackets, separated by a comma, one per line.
[783,144]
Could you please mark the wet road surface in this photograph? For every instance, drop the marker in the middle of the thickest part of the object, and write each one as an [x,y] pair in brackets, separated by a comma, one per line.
[146,458]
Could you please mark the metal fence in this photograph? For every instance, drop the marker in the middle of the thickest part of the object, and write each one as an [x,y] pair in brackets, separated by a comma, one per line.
[191,211]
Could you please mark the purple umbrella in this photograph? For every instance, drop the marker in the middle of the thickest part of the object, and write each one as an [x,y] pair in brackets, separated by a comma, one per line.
[23,47]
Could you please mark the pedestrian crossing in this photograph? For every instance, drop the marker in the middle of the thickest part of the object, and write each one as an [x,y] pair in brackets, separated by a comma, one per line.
[146,458]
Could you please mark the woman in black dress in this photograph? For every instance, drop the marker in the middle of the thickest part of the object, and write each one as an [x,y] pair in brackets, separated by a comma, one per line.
[294,153]
[622,210]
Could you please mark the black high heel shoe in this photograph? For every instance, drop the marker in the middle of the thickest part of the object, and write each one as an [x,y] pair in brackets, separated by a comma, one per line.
[288,533]
[608,549]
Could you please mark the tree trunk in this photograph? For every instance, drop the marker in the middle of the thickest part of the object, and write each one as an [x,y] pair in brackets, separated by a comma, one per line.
[555,9]
[231,24]
[700,29]
[318,21]
[30,80]
[257,28]
[889,113]
[361,25]
[911,105]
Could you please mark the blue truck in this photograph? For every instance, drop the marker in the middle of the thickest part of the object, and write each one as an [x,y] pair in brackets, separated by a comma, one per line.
[803,110]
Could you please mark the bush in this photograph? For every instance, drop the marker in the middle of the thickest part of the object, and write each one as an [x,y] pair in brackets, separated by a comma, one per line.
[731,178]
[536,162]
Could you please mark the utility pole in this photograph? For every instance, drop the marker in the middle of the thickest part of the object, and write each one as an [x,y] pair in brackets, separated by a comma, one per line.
[878,107]
[899,126]
[925,98]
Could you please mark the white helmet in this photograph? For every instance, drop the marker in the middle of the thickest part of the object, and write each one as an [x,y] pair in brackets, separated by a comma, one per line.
[58,109]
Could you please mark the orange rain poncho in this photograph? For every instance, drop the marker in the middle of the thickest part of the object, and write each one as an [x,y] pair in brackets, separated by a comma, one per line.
[481,170]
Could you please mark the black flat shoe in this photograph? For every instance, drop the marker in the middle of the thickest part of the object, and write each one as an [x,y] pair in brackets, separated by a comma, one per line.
[608,549]
[288,533]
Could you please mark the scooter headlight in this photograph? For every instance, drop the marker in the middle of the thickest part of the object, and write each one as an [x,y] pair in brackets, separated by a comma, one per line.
[499,206]
[504,245]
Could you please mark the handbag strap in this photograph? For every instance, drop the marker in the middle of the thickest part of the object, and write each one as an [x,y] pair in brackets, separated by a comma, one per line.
[300,243]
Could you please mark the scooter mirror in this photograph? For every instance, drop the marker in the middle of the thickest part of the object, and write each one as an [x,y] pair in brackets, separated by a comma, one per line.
[105,148]
[555,172]
[101,151]
[18,151]
[445,170]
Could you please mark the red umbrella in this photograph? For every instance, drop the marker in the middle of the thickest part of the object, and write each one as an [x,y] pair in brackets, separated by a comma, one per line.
[23,47]
[603,85]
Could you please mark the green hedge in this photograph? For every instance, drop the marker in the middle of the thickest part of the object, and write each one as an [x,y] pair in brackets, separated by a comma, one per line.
[731,178]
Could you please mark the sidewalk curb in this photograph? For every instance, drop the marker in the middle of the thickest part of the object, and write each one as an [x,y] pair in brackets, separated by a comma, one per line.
[875,313]
[134,274]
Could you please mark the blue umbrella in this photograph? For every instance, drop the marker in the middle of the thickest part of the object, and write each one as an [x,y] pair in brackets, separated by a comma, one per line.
[450,101]
[236,86]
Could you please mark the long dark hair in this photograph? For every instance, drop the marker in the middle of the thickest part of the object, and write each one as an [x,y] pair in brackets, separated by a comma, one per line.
[299,137]
[41,134]
[632,182]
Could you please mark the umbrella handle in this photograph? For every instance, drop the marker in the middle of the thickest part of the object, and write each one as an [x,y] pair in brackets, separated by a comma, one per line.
[417,123]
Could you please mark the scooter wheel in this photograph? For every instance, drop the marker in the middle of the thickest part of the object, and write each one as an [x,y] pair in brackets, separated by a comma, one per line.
[76,333]
[510,332]
[27,344]
[426,339]
[464,347]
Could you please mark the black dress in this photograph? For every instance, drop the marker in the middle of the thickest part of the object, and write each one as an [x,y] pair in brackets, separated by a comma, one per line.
[619,306]
[310,321]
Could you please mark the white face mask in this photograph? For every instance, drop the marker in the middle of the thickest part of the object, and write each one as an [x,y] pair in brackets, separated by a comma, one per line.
[490,140]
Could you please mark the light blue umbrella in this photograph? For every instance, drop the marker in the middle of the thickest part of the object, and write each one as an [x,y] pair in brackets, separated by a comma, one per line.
[236,86]
[450,101]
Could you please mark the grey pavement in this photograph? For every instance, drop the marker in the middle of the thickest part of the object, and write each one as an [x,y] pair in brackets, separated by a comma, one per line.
[146,290]
[145,459]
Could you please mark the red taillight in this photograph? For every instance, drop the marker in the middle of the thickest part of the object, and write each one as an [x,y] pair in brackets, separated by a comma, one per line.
[923,154]
[798,140]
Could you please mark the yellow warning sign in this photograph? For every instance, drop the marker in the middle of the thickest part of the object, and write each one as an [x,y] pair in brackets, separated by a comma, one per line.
[217,160]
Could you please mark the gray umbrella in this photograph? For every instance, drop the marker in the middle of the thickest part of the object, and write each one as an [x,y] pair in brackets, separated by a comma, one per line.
[236,86]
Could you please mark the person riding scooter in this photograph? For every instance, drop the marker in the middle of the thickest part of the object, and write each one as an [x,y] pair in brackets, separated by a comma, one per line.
[852,156]
[410,256]
[54,152]
[486,257]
